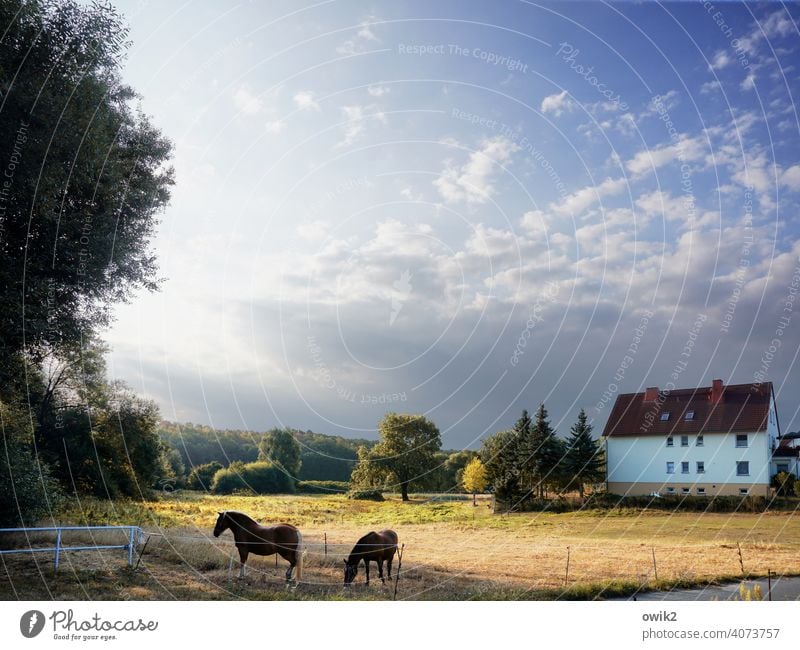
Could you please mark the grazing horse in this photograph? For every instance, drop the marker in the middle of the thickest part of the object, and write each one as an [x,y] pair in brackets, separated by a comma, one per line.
[373,547]
[252,537]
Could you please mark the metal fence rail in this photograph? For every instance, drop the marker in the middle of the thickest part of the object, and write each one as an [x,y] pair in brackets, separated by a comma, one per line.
[134,536]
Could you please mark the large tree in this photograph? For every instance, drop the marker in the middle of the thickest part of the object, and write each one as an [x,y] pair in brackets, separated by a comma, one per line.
[279,446]
[84,176]
[540,452]
[406,451]
[500,457]
[584,460]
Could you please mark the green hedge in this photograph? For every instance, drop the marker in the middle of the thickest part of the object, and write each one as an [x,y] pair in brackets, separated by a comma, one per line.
[323,487]
[366,495]
[261,477]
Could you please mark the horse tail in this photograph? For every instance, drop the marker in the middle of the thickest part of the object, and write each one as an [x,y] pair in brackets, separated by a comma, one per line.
[299,552]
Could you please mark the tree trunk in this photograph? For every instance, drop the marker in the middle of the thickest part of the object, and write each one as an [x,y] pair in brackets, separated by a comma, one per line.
[474,502]
[404,491]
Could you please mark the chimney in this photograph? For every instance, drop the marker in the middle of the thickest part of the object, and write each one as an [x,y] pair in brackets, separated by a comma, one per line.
[716,392]
[650,394]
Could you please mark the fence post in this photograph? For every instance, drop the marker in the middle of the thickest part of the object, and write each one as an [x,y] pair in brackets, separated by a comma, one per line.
[131,538]
[769,584]
[566,573]
[326,545]
[58,548]
[741,561]
[399,567]
[655,568]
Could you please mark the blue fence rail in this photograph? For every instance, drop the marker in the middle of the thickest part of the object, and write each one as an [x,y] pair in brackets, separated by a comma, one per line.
[133,535]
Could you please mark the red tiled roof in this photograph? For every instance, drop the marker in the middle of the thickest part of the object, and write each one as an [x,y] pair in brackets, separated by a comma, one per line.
[741,407]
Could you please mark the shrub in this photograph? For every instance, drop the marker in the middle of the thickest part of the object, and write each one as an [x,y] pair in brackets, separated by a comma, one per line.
[261,477]
[323,487]
[366,495]
[200,477]
[796,487]
[783,482]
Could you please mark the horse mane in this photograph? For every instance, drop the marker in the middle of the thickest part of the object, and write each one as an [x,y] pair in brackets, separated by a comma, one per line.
[239,517]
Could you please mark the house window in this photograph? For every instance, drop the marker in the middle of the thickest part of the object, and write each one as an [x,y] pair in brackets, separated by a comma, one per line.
[685,467]
[701,467]
[665,416]
[689,415]
[684,441]
[670,467]
[742,468]
[741,440]
[670,441]
[670,490]
[743,492]
[699,441]
[783,467]
[686,491]
[701,491]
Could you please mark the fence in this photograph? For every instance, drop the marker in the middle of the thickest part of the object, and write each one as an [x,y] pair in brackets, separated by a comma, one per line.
[133,535]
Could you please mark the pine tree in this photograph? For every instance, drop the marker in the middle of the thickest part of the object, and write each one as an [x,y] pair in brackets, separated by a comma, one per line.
[584,461]
[540,451]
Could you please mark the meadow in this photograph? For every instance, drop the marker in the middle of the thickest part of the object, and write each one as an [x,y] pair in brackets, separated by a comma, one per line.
[453,550]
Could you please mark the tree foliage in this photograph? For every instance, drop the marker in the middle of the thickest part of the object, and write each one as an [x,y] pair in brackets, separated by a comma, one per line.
[261,477]
[475,477]
[279,446]
[405,454]
[584,460]
[200,477]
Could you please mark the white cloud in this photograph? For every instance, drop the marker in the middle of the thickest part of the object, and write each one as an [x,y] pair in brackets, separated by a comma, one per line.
[378,91]
[473,182]
[686,149]
[363,36]
[557,103]
[357,117]
[791,178]
[579,201]
[275,126]
[710,86]
[305,100]
[749,82]
[246,102]
[779,24]
[721,60]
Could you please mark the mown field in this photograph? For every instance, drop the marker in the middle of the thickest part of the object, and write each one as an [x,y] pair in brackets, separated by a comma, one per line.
[452,551]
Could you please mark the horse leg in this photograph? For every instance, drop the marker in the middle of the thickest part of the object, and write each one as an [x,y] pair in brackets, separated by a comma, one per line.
[380,570]
[389,566]
[366,564]
[243,553]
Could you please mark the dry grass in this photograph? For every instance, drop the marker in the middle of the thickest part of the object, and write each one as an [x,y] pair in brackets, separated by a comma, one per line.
[453,551]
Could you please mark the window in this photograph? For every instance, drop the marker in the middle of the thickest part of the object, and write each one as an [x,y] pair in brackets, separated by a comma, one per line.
[689,415]
[670,441]
[741,440]
[701,491]
[701,467]
[665,416]
[670,467]
[670,490]
[684,441]
[742,468]
[685,467]
[743,492]
[699,441]
[783,467]
[686,491]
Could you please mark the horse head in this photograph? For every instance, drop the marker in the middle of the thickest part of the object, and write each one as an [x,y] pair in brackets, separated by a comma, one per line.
[222,523]
[350,571]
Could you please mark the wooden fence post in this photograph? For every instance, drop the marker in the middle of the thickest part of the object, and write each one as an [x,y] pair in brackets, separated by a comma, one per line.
[741,561]
[655,568]
[566,573]
[399,567]
[326,545]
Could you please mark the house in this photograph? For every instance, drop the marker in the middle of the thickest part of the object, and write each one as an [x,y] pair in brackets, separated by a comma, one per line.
[697,441]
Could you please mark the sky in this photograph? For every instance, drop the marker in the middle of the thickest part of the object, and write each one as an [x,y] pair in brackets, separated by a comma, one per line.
[464,209]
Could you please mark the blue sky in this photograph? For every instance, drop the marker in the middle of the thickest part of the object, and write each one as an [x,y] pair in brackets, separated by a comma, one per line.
[465,209]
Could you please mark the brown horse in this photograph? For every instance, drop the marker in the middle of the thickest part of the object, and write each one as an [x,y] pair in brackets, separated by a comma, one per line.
[252,537]
[373,547]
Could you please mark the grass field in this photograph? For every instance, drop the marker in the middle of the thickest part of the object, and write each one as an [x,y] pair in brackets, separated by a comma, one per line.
[452,551]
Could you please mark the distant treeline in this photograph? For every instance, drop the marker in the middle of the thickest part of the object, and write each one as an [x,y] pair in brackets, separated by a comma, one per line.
[323,457]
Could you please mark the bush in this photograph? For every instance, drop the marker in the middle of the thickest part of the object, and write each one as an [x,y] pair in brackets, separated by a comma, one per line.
[323,487]
[200,477]
[27,489]
[366,495]
[783,482]
[261,477]
[796,487]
